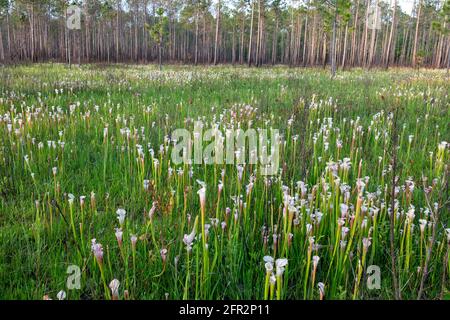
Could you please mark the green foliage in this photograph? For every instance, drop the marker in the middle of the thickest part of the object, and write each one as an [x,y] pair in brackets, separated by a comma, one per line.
[157,31]
[53,117]
[442,25]
[329,9]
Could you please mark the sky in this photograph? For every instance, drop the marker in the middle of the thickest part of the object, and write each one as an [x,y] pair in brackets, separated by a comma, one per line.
[406,5]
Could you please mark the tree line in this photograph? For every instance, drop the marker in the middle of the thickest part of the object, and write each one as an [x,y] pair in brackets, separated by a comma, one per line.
[338,33]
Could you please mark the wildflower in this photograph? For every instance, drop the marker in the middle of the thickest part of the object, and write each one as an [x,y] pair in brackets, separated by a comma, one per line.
[410,214]
[202,195]
[55,170]
[344,209]
[114,286]
[163,253]
[272,280]
[249,188]
[422,225]
[292,210]
[133,240]
[363,209]
[366,243]
[71,198]
[92,199]
[146,184]
[119,236]
[364,223]
[188,239]
[290,237]
[344,232]
[61,295]
[224,225]
[97,250]
[240,170]
[121,213]
[82,198]
[321,287]
[265,241]
[275,239]
[214,222]
[269,267]
[280,264]
[268,259]
[315,260]
[442,146]
[207,226]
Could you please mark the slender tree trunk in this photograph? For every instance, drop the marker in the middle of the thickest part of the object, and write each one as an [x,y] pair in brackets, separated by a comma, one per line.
[67,41]
[241,52]
[311,58]
[372,41]
[144,33]
[233,45]
[160,52]
[448,55]
[2,49]
[87,31]
[117,31]
[259,35]
[333,43]
[363,58]
[440,48]
[305,37]
[344,54]
[354,35]
[79,47]
[32,40]
[249,60]
[136,20]
[292,38]
[216,42]
[8,37]
[275,41]
[416,35]
[391,35]
[405,41]
[196,39]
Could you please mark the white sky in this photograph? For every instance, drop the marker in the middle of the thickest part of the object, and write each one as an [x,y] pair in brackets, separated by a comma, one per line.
[406,5]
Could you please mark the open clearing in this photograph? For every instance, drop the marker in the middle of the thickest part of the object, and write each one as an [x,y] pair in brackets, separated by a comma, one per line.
[86,153]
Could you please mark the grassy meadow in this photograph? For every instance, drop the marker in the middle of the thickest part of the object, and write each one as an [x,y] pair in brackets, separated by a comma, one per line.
[87,180]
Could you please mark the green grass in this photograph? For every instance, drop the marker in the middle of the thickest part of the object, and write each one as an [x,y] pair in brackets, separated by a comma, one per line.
[42,233]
